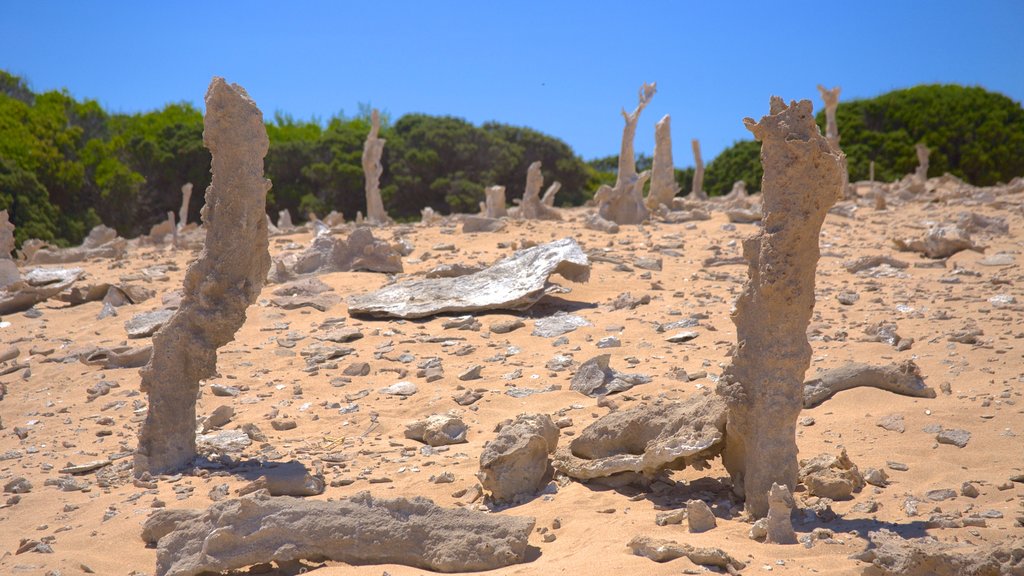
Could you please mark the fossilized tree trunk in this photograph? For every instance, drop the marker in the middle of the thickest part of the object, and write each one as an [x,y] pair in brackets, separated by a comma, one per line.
[698,173]
[921,173]
[831,99]
[219,285]
[531,207]
[373,148]
[548,199]
[495,205]
[763,386]
[663,172]
[186,195]
[624,203]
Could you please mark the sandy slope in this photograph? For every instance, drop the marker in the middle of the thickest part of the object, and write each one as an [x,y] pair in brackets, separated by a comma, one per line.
[985,381]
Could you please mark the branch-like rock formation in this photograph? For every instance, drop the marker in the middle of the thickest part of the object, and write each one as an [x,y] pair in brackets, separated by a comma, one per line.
[513,283]
[831,99]
[186,195]
[903,378]
[219,286]
[763,386]
[360,251]
[663,171]
[532,206]
[698,192]
[624,203]
[495,202]
[373,148]
[359,530]
[515,464]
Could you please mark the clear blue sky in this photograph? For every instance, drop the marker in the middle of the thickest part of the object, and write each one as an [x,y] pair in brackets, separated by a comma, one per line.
[564,68]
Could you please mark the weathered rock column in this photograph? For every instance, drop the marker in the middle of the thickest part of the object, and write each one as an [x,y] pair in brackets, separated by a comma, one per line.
[548,199]
[663,171]
[219,285]
[763,386]
[495,203]
[831,99]
[373,148]
[186,195]
[531,207]
[8,269]
[624,203]
[921,173]
[698,173]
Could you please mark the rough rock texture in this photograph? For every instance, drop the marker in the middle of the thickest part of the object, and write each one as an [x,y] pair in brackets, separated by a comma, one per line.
[102,242]
[646,440]
[699,517]
[513,283]
[940,241]
[36,286]
[438,430]
[219,285]
[624,203]
[698,192]
[359,530]
[829,476]
[8,269]
[892,555]
[360,251]
[779,525]
[532,207]
[903,378]
[831,100]
[663,172]
[921,172]
[186,195]
[515,464]
[472,224]
[284,220]
[548,199]
[373,148]
[596,378]
[494,206]
[665,550]
[763,386]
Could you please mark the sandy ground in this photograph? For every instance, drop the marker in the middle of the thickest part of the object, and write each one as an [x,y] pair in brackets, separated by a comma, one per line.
[98,529]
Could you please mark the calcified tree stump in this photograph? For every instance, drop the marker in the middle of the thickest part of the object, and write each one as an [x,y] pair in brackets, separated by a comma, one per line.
[763,386]
[921,173]
[219,285]
[495,204]
[532,207]
[698,192]
[373,148]
[186,195]
[663,171]
[831,99]
[624,204]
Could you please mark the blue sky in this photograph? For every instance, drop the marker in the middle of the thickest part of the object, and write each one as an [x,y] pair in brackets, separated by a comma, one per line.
[564,68]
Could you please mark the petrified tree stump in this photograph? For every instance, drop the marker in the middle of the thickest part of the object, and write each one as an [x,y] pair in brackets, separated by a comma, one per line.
[763,386]
[219,285]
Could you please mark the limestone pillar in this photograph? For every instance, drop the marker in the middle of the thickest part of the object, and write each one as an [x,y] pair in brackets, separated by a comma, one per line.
[698,173]
[831,99]
[219,285]
[531,207]
[921,174]
[549,195]
[624,203]
[763,385]
[8,269]
[663,171]
[373,148]
[495,203]
[186,195]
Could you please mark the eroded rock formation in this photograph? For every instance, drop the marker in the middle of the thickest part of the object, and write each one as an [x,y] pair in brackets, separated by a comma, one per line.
[8,269]
[831,99]
[532,206]
[624,203]
[698,192]
[903,378]
[763,386]
[921,172]
[515,464]
[495,202]
[513,283]
[663,171]
[373,148]
[219,285]
[359,530]
[186,195]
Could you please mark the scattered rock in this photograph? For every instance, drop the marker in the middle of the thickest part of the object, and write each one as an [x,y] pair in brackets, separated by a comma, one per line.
[514,465]
[438,430]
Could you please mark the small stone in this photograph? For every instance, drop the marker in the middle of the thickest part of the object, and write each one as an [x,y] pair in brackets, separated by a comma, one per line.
[18,485]
[958,438]
[282,425]
[892,423]
[671,517]
[969,490]
[681,337]
[699,516]
[404,388]
[941,494]
[471,373]
[609,342]
[898,466]
[356,369]
[876,477]
[506,326]
[224,391]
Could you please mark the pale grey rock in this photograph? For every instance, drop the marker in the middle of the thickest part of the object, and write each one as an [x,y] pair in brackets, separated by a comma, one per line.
[596,378]
[699,517]
[514,465]
[282,479]
[829,476]
[438,430]
[903,378]
[596,222]
[958,438]
[495,202]
[831,99]
[225,280]
[697,191]
[663,172]
[532,207]
[513,283]
[373,148]
[360,251]
[186,195]
[35,286]
[643,441]
[868,262]
[889,554]
[362,529]
[284,220]
[892,423]
[118,357]
[779,526]
[506,326]
[667,550]
[146,324]
[557,324]
[223,441]
[472,224]
[403,388]
[940,241]
[102,242]
[548,199]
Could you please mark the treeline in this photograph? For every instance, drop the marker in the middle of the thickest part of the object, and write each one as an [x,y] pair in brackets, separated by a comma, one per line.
[973,134]
[68,165]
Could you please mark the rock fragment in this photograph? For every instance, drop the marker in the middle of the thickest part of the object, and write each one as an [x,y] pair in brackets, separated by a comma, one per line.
[903,378]
[514,465]
[438,430]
